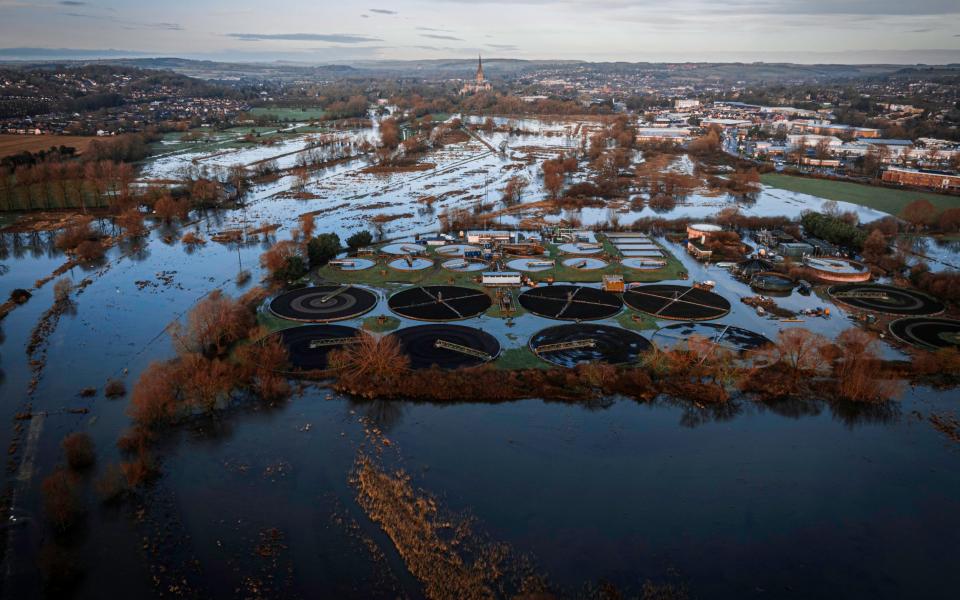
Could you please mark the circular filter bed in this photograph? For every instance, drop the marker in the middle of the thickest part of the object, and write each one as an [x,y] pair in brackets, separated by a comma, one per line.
[447,346]
[463,265]
[886,299]
[309,346]
[927,332]
[403,248]
[324,303]
[580,248]
[771,282]
[440,303]
[457,249]
[571,303]
[726,336]
[643,264]
[575,343]
[353,264]
[530,265]
[585,264]
[676,302]
[410,263]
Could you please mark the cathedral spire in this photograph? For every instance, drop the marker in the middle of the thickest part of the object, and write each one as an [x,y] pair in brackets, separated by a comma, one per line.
[480,77]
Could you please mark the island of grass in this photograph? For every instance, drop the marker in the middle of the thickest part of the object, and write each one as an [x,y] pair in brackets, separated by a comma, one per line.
[381,323]
[890,201]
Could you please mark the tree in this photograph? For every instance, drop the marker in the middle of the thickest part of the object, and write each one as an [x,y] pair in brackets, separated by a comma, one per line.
[307,225]
[79,451]
[213,325]
[323,248]
[389,133]
[61,499]
[875,247]
[359,239]
[920,213]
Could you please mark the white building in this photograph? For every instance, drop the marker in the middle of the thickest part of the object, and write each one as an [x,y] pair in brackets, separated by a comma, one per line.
[686,103]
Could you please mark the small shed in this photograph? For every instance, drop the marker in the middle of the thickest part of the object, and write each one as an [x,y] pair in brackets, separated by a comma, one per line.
[613,283]
[501,279]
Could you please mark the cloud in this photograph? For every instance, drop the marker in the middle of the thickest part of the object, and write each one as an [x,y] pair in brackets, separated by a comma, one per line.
[509,47]
[383,11]
[338,38]
[72,3]
[436,36]
[164,26]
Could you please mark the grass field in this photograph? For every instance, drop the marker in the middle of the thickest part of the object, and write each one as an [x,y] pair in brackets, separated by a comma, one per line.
[14,144]
[288,114]
[887,200]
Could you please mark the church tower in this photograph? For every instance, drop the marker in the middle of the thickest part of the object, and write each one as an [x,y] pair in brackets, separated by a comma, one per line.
[480,77]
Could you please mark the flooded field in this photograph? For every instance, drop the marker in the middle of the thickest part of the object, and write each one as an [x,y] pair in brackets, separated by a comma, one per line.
[330,496]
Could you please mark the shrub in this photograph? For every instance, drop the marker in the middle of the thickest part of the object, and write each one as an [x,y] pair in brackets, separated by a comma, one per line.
[61,499]
[112,484]
[61,290]
[79,451]
[115,388]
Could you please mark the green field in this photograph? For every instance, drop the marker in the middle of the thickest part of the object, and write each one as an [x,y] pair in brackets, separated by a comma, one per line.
[887,200]
[284,114]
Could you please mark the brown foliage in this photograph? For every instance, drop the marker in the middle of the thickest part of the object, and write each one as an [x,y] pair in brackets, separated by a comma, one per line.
[115,388]
[192,238]
[61,499]
[213,325]
[371,363]
[262,362]
[275,259]
[919,213]
[90,250]
[79,451]
[78,232]
[155,396]
[168,209]
[858,376]
[131,222]
[389,133]
[112,484]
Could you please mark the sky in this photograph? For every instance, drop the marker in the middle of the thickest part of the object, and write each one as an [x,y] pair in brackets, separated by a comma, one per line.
[324,31]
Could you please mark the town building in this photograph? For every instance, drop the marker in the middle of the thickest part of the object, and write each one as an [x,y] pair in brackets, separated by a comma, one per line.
[479,84]
[922,178]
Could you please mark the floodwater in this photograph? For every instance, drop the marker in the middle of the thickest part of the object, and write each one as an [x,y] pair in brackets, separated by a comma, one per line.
[795,500]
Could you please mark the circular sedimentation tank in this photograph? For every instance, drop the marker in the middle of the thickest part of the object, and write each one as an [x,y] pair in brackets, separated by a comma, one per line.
[447,346]
[770,281]
[752,266]
[410,263]
[580,248]
[571,302]
[530,265]
[463,265]
[457,249]
[676,302]
[585,264]
[575,343]
[323,303]
[927,332]
[726,336]
[837,269]
[440,303]
[309,346]
[886,299]
[643,264]
[401,249]
[355,264]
